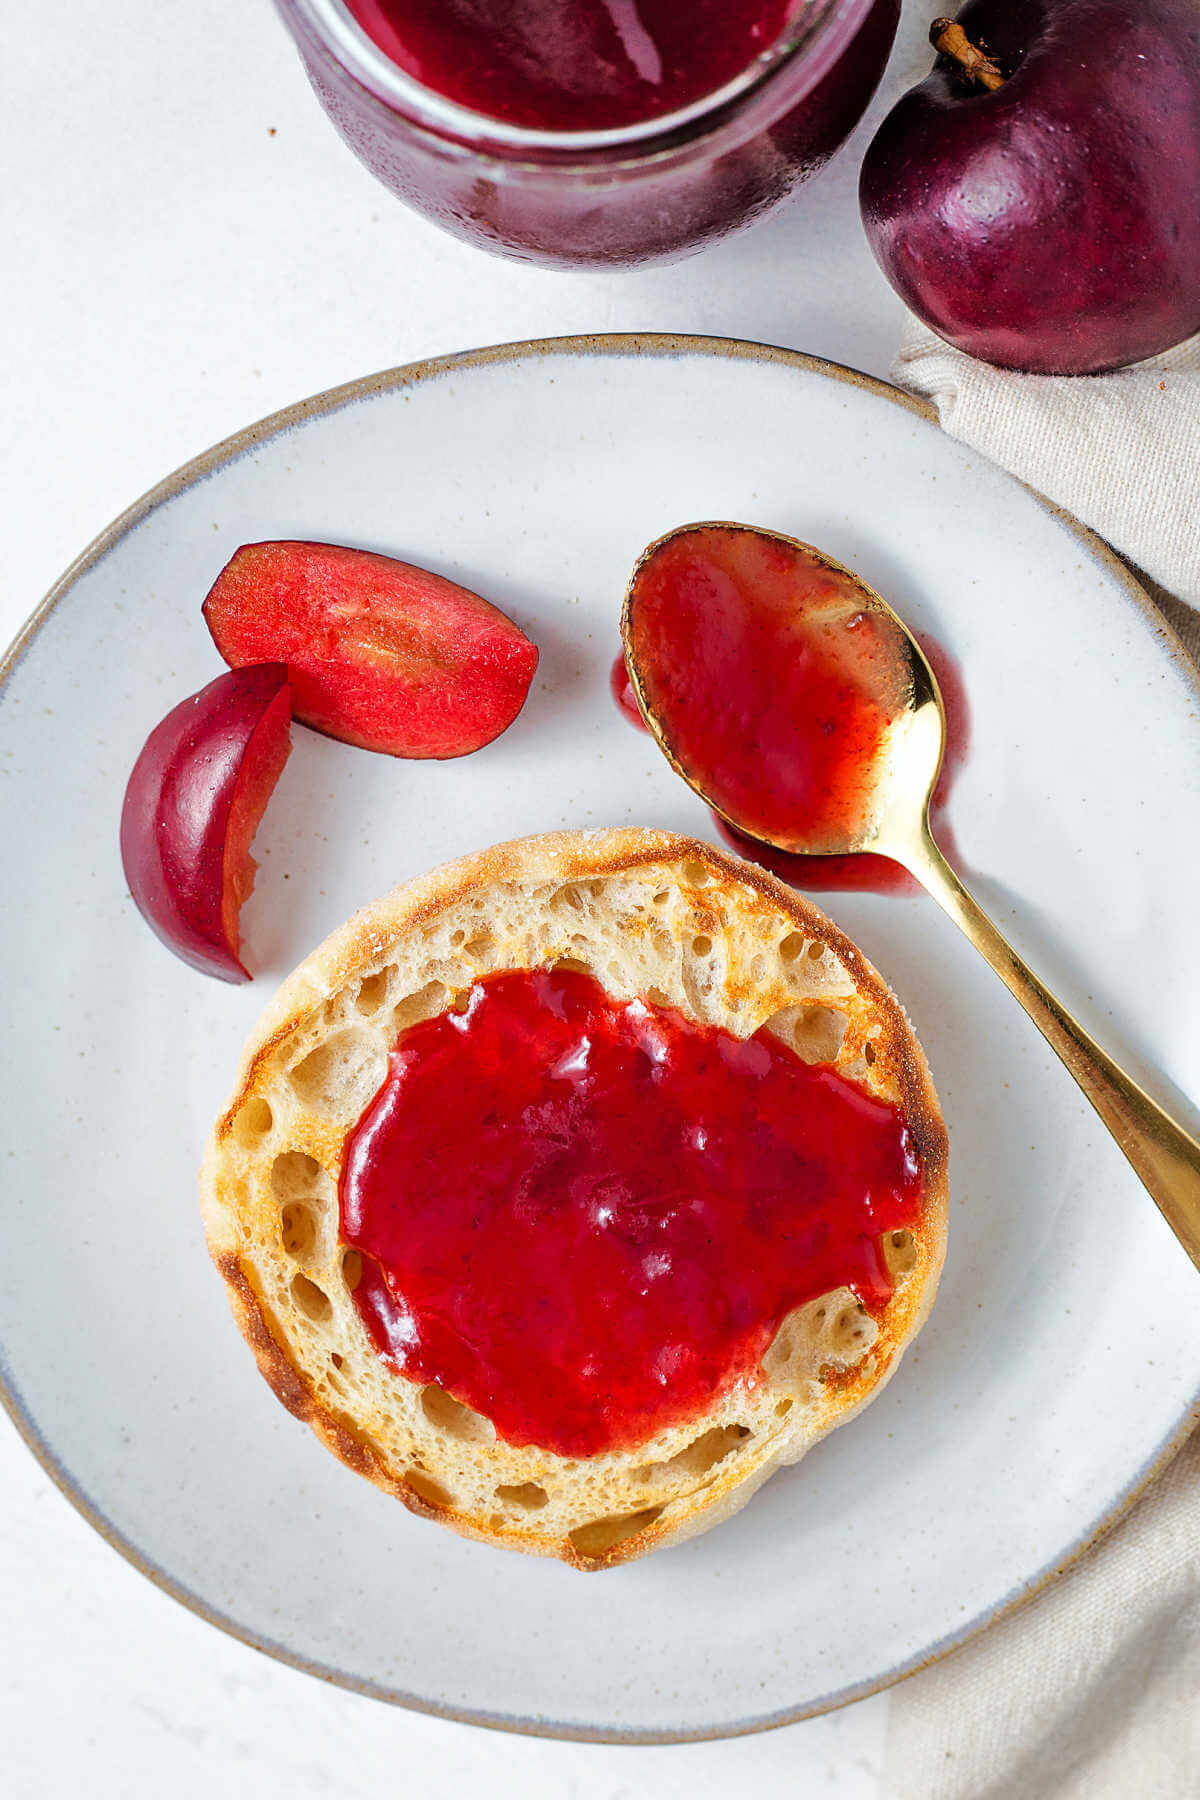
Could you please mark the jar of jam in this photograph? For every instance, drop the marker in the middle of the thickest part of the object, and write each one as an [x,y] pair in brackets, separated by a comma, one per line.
[576,133]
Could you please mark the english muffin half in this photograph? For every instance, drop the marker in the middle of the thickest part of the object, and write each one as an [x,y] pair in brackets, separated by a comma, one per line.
[691,949]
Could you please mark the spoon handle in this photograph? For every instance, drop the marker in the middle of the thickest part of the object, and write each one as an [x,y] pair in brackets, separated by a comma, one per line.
[1164,1155]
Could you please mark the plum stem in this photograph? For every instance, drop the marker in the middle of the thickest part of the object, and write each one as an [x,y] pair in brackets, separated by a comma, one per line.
[951,40]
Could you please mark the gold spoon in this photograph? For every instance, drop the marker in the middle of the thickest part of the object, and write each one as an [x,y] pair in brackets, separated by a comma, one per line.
[894,822]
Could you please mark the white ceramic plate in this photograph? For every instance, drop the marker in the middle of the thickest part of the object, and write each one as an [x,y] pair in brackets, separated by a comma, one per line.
[1062,1362]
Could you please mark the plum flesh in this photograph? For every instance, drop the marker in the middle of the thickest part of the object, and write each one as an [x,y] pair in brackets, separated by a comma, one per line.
[1052,225]
[379,653]
[193,803]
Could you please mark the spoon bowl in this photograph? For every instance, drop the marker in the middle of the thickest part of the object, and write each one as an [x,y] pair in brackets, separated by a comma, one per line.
[783,689]
[799,706]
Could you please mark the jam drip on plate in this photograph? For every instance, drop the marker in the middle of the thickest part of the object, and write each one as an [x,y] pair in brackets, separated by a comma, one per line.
[587,1217]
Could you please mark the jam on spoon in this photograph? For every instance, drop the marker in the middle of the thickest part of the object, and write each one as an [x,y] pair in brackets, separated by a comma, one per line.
[865,872]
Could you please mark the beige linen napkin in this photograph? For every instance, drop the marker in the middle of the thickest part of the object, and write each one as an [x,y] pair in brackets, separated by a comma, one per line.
[1120,451]
[1092,1691]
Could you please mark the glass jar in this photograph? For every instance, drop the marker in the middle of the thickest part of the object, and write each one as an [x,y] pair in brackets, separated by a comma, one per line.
[643,192]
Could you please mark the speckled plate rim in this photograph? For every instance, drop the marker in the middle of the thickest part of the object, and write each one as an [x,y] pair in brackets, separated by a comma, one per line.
[220,456]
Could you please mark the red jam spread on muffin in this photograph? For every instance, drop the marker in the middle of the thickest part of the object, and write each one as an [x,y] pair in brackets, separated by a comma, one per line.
[587,1217]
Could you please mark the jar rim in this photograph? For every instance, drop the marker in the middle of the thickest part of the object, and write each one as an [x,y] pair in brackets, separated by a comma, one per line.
[812,29]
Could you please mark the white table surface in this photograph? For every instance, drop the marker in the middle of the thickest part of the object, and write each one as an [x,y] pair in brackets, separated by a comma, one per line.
[187,246]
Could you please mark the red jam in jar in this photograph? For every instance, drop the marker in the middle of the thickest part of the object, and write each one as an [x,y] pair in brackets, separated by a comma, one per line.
[592,133]
[573,65]
[586,1217]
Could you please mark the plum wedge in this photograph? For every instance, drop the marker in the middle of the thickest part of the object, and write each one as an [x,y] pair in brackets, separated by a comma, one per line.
[194,801]
[379,653]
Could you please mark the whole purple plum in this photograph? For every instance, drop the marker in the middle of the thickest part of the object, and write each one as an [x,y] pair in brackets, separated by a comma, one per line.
[1036,199]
